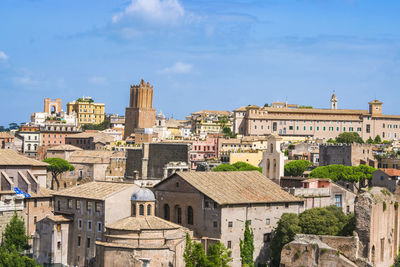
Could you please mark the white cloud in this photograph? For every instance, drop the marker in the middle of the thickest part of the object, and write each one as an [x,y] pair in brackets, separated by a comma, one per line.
[155,10]
[26,79]
[3,56]
[178,67]
[97,80]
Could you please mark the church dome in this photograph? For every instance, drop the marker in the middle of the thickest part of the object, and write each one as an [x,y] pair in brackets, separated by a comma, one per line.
[143,194]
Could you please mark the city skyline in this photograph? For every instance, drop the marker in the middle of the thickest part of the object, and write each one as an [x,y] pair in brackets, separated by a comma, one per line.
[218,55]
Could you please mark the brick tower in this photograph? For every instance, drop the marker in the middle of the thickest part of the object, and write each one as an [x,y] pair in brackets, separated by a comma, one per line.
[52,106]
[140,114]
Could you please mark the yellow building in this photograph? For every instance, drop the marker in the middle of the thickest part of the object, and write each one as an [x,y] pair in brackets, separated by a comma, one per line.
[86,110]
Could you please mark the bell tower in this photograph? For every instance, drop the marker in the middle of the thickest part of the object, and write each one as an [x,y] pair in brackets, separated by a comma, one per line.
[140,113]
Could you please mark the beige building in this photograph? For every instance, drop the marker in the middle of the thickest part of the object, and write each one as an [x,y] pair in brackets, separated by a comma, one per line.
[273,161]
[209,121]
[87,111]
[90,140]
[142,239]
[216,205]
[253,158]
[86,209]
[317,123]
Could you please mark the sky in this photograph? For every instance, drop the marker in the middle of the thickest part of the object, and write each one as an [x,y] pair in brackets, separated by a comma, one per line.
[198,54]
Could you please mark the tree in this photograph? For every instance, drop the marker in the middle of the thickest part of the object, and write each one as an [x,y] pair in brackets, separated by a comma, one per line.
[222,121]
[99,127]
[296,167]
[57,166]
[238,166]
[288,227]
[354,174]
[14,237]
[194,254]
[218,255]
[349,138]
[227,132]
[377,139]
[370,140]
[13,126]
[247,246]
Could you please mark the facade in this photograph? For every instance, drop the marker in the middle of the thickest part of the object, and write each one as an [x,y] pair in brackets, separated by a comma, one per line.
[317,123]
[273,161]
[151,160]
[216,205]
[140,114]
[348,155]
[87,111]
[142,239]
[31,139]
[88,208]
[90,140]
[206,122]
[54,134]
[388,178]
[5,139]
[253,158]
[203,150]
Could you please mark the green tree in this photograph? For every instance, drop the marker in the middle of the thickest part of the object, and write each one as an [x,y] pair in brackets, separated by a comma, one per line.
[377,139]
[99,127]
[370,140]
[296,167]
[222,121]
[354,174]
[194,254]
[13,126]
[349,138]
[288,227]
[227,132]
[247,246]
[238,166]
[218,255]
[14,236]
[57,166]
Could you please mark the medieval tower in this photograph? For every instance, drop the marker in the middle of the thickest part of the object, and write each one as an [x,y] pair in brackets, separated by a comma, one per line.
[140,114]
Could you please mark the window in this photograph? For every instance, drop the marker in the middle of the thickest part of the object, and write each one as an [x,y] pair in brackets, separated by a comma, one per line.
[97,206]
[368,128]
[70,203]
[229,245]
[230,224]
[215,205]
[89,206]
[267,237]
[99,227]
[34,220]
[79,224]
[88,242]
[50,202]
[268,222]
[206,204]
[286,205]
[79,241]
[58,205]
[89,225]
[78,204]
[59,245]
[35,202]
[215,224]
[148,209]
[338,201]
[381,177]
[141,210]
[177,184]
[190,215]
[166,212]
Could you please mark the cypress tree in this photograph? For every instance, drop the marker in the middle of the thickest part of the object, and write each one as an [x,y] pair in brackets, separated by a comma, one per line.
[247,247]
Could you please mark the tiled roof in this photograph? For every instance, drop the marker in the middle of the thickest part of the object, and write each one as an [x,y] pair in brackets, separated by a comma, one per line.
[97,136]
[236,187]
[143,223]
[64,148]
[219,112]
[58,218]
[391,172]
[44,192]
[5,135]
[9,157]
[90,156]
[95,190]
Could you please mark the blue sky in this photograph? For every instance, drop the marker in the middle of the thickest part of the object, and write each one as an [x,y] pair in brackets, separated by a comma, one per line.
[199,54]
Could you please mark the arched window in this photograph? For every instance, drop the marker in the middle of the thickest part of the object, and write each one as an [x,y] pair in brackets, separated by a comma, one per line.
[29,147]
[148,209]
[166,212]
[190,215]
[272,148]
[134,210]
[178,214]
[141,210]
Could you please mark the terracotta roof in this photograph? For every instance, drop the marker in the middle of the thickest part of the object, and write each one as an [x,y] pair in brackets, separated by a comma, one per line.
[90,156]
[95,190]
[64,148]
[97,136]
[44,192]
[9,157]
[391,172]
[5,135]
[143,223]
[236,187]
[58,218]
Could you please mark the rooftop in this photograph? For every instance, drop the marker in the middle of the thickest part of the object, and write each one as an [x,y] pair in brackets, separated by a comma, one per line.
[9,157]
[95,190]
[143,223]
[5,135]
[236,187]
[64,148]
[391,172]
[90,156]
